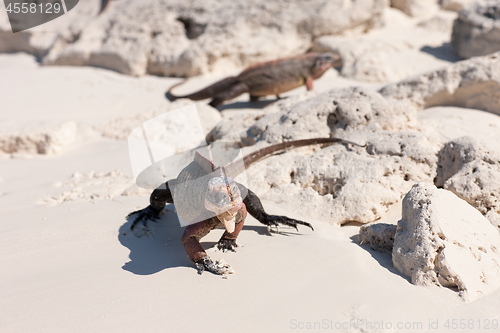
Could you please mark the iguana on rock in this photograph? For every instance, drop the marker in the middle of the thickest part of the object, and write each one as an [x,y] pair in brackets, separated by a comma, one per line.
[217,202]
[267,78]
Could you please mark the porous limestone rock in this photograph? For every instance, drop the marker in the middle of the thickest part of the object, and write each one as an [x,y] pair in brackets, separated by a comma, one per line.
[234,127]
[442,240]
[52,35]
[476,31]
[473,83]
[334,113]
[415,7]
[179,38]
[340,183]
[36,137]
[454,155]
[347,183]
[469,170]
[380,236]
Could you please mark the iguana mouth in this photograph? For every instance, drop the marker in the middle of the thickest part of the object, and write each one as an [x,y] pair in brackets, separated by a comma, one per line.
[229,219]
[224,199]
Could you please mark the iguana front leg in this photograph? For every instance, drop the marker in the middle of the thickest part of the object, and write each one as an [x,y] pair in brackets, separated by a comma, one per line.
[157,201]
[228,240]
[255,208]
[191,241]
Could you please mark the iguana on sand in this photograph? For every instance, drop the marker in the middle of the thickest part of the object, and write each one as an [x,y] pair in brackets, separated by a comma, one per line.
[267,78]
[217,202]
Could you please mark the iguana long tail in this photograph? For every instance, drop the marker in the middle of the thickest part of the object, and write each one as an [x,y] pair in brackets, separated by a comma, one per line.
[208,92]
[261,153]
[235,167]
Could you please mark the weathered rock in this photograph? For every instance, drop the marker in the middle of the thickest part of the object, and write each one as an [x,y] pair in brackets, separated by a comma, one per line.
[36,138]
[442,240]
[454,155]
[415,7]
[476,31]
[234,128]
[473,83]
[342,184]
[380,236]
[179,38]
[334,113]
[472,172]
[339,183]
[478,183]
[52,35]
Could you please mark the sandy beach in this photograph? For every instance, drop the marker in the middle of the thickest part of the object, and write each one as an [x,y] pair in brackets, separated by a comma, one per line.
[71,264]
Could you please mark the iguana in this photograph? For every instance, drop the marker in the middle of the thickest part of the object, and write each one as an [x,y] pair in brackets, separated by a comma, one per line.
[267,78]
[217,202]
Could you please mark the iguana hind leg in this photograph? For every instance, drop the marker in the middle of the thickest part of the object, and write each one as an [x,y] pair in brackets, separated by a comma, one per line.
[255,208]
[254,98]
[157,201]
[232,92]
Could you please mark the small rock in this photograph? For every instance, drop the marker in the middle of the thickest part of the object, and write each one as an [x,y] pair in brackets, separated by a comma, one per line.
[473,83]
[455,5]
[380,236]
[442,240]
[469,170]
[454,155]
[36,137]
[476,31]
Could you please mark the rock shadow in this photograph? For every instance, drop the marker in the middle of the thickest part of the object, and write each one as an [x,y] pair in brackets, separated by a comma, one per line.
[384,259]
[442,52]
[247,105]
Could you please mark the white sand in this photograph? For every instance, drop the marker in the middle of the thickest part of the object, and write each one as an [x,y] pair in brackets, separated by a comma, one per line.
[73,267]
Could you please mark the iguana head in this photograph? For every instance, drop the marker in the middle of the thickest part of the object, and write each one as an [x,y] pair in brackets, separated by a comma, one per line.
[323,62]
[224,199]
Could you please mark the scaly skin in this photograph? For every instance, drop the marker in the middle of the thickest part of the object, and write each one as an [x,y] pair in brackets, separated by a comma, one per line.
[267,78]
[251,204]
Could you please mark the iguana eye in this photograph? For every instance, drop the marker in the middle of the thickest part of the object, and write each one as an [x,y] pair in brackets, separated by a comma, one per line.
[234,190]
[220,197]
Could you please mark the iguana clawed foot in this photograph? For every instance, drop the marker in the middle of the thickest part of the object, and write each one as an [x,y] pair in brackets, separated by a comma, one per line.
[227,245]
[217,267]
[144,215]
[274,221]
